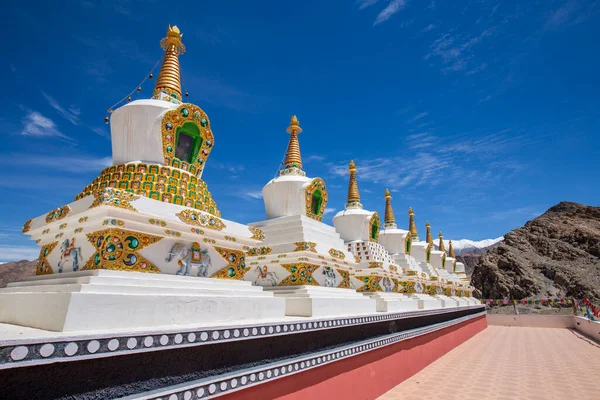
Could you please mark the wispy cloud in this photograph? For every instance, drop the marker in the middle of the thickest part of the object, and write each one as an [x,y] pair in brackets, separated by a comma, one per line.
[73,163]
[18,253]
[73,117]
[255,194]
[392,8]
[428,28]
[456,51]
[35,124]
[329,210]
[314,157]
[362,4]
[419,116]
[570,12]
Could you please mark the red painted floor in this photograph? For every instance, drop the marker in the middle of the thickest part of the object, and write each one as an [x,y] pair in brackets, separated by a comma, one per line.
[369,375]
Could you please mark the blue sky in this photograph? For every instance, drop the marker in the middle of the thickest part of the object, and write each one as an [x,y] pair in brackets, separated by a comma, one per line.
[478,114]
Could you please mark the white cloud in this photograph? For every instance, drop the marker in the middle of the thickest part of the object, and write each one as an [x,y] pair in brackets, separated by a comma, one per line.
[35,124]
[365,3]
[73,117]
[257,194]
[428,28]
[105,133]
[73,163]
[419,116]
[456,51]
[329,210]
[392,8]
[18,253]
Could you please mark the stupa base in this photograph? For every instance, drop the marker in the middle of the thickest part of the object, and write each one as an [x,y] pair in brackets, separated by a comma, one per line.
[393,302]
[317,301]
[427,302]
[93,300]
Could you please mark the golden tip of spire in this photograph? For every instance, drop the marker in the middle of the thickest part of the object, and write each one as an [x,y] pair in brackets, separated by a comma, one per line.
[173,31]
[387,194]
[427,224]
[440,235]
[352,167]
[410,211]
[294,125]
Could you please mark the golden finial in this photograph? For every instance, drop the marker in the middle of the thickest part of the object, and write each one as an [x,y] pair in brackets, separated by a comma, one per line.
[412,227]
[292,156]
[450,249]
[428,237]
[353,195]
[441,247]
[169,80]
[389,218]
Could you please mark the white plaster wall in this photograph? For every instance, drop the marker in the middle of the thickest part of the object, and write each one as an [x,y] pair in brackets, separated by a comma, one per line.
[460,267]
[436,259]
[419,251]
[353,224]
[136,131]
[587,327]
[393,240]
[449,266]
[284,196]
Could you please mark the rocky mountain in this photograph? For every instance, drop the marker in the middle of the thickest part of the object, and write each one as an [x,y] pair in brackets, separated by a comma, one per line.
[16,270]
[555,255]
[470,261]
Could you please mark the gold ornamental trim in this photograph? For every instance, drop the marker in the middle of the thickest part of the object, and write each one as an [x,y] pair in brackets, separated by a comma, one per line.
[119,250]
[57,214]
[306,246]
[43,266]
[317,184]
[114,198]
[175,119]
[259,251]
[257,233]
[156,182]
[335,253]
[236,268]
[193,217]
[27,226]
[300,274]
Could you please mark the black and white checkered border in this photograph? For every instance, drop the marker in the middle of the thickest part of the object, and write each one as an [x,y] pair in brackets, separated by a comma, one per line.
[227,383]
[17,353]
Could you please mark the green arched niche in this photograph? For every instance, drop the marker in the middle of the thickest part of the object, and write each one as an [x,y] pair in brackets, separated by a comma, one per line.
[408,244]
[188,141]
[315,203]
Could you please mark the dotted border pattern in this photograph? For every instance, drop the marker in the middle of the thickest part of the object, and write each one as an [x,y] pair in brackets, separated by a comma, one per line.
[220,385]
[24,352]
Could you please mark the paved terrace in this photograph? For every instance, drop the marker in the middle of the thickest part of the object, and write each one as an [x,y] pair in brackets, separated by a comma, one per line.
[510,363]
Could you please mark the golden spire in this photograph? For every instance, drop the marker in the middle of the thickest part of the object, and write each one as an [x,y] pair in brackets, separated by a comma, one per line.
[441,247]
[353,195]
[292,156]
[390,219]
[428,237]
[411,223]
[168,78]
[450,249]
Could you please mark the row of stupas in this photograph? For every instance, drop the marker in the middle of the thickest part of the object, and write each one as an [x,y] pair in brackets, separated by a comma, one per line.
[144,244]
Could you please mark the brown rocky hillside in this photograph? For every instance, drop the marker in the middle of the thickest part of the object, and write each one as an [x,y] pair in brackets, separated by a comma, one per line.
[555,255]
[12,271]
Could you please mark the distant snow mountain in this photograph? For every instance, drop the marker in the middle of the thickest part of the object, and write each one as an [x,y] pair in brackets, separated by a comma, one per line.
[466,246]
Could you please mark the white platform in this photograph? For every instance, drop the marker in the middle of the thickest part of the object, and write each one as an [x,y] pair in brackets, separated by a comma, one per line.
[448,301]
[91,300]
[393,302]
[318,301]
[427,302]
